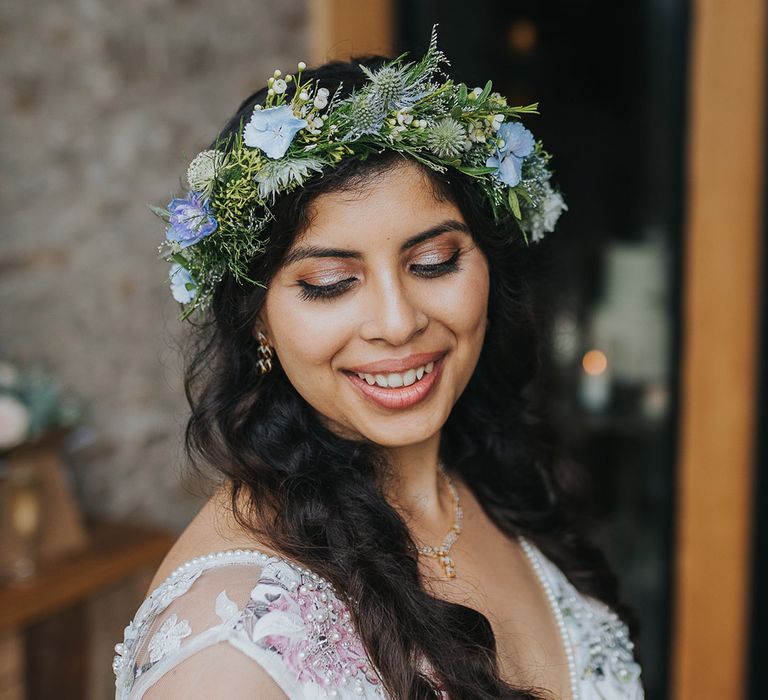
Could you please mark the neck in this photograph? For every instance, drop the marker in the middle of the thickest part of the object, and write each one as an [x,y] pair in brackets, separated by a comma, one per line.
[418,492]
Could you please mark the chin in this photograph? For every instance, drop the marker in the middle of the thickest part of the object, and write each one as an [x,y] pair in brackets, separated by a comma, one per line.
[394,437]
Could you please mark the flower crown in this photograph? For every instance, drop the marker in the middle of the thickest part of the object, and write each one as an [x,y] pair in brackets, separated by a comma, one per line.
[410,108]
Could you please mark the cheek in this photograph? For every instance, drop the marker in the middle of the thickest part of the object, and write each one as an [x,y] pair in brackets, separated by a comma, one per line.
[303,334]
[464,305]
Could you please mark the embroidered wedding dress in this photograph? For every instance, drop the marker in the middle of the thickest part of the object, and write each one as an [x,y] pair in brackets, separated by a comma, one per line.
[229,618]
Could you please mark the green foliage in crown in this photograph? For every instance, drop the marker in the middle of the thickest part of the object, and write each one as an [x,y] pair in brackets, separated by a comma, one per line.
[412,108]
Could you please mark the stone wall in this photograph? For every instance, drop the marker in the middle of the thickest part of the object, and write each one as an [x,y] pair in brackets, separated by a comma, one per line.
[102,103]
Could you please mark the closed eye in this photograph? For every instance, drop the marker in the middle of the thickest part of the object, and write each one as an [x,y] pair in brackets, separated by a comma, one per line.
[311,292]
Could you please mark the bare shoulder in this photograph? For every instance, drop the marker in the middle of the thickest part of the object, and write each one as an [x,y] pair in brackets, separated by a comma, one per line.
[213,529]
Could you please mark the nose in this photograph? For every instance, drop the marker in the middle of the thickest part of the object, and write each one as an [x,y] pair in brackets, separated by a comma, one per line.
[393,312]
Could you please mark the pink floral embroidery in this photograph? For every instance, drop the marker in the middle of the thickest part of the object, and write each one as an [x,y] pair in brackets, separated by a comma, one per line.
[323,647]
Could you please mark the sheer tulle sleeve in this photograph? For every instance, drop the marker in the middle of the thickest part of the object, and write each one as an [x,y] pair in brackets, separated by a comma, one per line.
[240,626]
[187,641]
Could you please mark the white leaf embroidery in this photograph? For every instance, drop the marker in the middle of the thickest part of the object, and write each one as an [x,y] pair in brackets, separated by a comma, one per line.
[226,609]
[168,637]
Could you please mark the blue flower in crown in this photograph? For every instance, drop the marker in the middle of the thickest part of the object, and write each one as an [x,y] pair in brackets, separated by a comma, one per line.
[180,278]
[518,145]
[272,130]
[189,220]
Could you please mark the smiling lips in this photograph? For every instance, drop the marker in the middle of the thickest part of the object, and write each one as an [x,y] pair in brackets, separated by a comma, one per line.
[398,389]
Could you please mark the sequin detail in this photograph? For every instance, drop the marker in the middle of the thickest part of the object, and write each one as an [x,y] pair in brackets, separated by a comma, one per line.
[604,650]
[298,615]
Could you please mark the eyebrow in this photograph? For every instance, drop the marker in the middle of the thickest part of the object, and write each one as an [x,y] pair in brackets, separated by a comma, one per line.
[318,252]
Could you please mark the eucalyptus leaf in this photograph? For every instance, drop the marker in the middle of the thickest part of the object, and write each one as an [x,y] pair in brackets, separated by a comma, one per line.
[478,170]
[525,196]
[483,96]
[514,203]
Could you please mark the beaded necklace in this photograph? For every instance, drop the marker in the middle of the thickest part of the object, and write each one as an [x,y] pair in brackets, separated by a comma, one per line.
[442,552]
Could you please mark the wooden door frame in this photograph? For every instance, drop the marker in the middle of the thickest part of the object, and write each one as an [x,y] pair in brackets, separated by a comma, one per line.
[339,29]
[720,334]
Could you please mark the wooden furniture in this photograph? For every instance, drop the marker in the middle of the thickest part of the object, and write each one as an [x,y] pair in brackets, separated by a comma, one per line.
[62,530]
[58,627]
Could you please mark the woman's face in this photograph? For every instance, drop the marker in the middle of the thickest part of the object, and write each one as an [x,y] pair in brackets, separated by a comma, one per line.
[386,283]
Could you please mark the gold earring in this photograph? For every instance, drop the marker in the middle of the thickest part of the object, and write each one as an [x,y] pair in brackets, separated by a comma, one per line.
[265,353]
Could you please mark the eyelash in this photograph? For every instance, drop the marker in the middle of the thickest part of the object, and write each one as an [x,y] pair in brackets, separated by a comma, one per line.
[310,292]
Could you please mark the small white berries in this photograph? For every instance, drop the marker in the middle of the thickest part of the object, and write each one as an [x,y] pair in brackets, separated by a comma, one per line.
[321,98]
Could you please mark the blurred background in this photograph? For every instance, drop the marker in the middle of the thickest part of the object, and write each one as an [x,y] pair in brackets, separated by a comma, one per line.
[653,292]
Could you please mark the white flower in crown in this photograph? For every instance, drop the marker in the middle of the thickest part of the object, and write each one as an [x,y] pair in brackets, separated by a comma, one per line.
[321,99]
[278,175]
[551,208]
[182,284]
[201,173]
[543,218]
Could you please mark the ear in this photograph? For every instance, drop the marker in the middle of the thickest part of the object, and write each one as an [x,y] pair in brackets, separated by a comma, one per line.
[262,325]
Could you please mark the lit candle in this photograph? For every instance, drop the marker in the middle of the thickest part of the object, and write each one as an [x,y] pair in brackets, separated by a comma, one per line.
[595,384]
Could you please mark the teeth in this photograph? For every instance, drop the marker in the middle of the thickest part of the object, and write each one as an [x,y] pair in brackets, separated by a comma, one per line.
[393,379]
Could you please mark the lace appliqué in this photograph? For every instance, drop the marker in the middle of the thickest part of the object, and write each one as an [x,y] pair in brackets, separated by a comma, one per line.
[168,638]
[123,664]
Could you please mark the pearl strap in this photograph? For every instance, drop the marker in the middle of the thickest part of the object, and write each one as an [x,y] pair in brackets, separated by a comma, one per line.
[565,638]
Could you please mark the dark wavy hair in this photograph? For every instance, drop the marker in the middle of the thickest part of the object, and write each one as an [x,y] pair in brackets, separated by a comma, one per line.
[318,498]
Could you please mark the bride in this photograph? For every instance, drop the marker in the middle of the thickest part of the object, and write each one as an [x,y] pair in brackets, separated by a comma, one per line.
[388,518]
